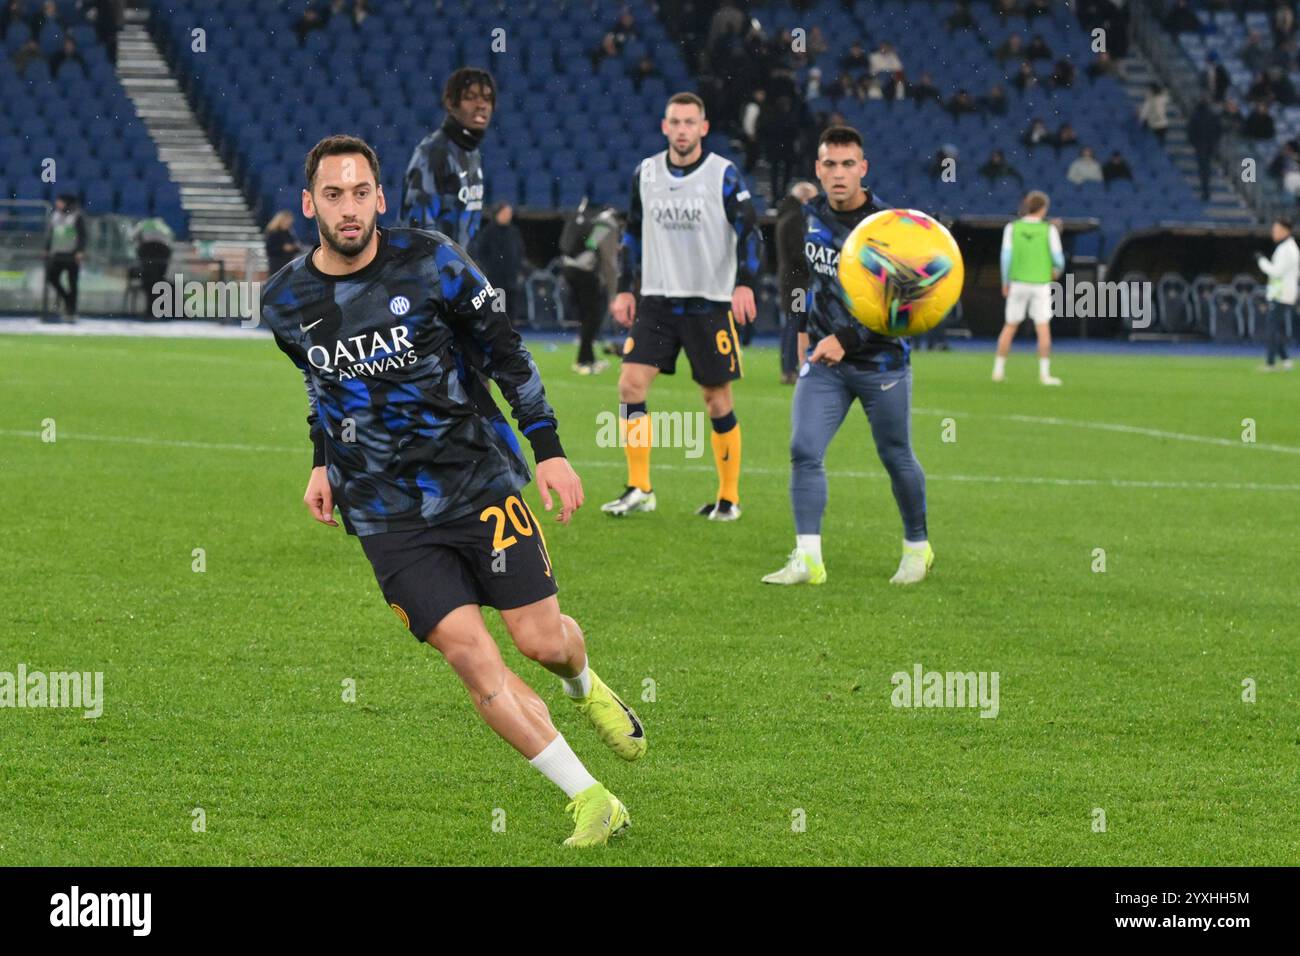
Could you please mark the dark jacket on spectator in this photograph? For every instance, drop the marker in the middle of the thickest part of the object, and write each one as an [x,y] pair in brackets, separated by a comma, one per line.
[791,266]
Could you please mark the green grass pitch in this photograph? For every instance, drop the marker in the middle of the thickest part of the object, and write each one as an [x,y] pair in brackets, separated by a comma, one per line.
[1120,691]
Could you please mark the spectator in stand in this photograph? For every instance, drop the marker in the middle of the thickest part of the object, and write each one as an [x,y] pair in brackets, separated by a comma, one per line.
[1215,80]
[65,248]
[1103,65]
[1154,112]
[1065,137]
[924,89]
[335,8]
[26,54]
[792,274]
[1283,88]
[1203,132]
[1181,18]
[49,10]
[643,70]
[498,248]
[749,127]
[1085,168]
[310,20]
[817,45]
[944,164]
[778,127]
[282,246]
[1038,49]
[607,49]
[69,54]
[996,102]
[1254,55]
[962,104]
[1006,8]
[997,168]
[1283,56]
[105,16]
[1012,48]
[1036,134]
[1283,23]
[1116,168]
[360,12]
[1261,88]
[960,18]
[624,27]
[10,13]
[1259,124]
[814,88]
[1063,75]
[1038,8]
[884,60]
[1232,119]
[1025,79]
[856,60]
[896,87]
[1285,166]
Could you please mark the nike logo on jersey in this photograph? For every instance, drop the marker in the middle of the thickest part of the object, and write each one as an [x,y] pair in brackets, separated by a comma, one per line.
[308,328]
[885,388]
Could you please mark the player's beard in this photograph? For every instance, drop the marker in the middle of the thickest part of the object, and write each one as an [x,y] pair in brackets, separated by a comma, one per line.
[681,153]
[348,248]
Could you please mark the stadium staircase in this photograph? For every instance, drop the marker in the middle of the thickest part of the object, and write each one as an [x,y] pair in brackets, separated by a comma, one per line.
[216,207]
[1226,206]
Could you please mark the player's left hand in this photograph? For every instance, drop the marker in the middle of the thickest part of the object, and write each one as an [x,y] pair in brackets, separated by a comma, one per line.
[743,308]
[828,351]
[556,474]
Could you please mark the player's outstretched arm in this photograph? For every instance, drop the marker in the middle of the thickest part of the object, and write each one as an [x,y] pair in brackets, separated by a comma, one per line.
[557,475]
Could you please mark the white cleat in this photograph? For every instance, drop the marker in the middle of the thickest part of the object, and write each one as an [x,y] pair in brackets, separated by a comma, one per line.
[914,566]
[999,375]
[799,569]
[634,499]
[722,510]
[1048,380]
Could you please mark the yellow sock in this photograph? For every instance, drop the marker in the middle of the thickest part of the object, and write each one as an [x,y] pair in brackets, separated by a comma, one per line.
[726,455]
[636,445]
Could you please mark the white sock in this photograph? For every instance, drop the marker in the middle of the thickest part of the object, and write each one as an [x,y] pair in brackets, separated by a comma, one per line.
[999,364]
[560,765]
[579,686]
[1044,367]
[810,544]
[914,545]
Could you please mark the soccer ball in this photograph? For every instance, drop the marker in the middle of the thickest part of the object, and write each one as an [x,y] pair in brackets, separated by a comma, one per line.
[901,272]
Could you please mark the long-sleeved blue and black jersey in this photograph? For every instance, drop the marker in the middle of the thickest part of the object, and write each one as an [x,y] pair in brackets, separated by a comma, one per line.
[739,209]
[391,355]
[443,189]
[825,310]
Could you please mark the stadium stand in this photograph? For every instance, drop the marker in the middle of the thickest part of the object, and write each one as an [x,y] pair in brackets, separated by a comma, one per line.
[565,126]
[81,119]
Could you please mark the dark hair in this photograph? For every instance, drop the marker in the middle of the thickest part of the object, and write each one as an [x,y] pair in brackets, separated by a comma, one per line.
[840,136]
[337,145]
[1284,222]
[689,99]
[460,81]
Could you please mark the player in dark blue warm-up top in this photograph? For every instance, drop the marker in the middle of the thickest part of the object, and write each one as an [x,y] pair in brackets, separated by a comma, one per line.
[392,330]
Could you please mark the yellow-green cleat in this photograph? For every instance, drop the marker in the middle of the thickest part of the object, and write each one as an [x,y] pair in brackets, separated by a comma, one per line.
[597,816]
[615,722]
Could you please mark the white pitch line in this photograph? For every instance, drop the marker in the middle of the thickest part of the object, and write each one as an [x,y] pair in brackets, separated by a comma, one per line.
[709,469]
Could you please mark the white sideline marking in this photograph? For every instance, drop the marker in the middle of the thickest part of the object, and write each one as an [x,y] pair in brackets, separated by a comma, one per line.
[587,463]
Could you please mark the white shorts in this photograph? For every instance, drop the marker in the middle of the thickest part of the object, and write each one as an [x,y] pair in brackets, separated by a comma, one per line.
[1029,298]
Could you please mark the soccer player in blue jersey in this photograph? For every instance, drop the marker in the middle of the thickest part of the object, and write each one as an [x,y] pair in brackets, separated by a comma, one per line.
[391,329]
[848,362]
[444,187]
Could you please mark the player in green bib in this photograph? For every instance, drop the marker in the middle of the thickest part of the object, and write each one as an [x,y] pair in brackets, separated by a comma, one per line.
[1031,260]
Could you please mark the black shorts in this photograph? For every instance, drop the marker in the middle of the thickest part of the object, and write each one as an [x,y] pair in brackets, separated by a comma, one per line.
[709,338]
[495,557]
